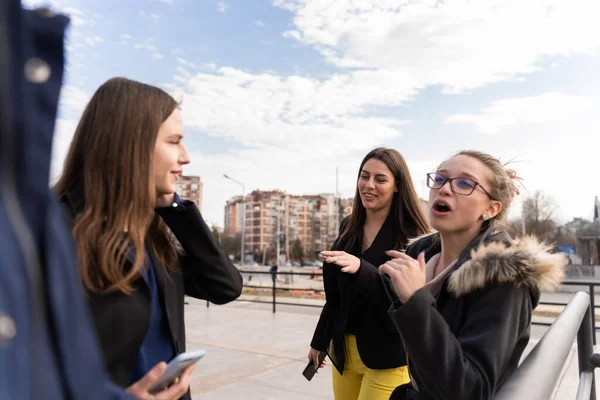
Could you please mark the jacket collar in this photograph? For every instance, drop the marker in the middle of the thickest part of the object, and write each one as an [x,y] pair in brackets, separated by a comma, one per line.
[493,257]
[384,240]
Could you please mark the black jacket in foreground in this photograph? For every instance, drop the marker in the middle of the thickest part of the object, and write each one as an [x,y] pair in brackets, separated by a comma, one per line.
[204,271]
[465,343]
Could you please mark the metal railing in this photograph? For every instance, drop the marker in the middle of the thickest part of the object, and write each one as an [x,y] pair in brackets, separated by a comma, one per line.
[590,284]
[545,362]
[274,288]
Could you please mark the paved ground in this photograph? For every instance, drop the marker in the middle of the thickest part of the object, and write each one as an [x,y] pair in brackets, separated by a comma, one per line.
[255,354]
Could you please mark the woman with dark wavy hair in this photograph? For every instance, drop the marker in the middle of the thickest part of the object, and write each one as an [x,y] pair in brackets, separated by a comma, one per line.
[354,328]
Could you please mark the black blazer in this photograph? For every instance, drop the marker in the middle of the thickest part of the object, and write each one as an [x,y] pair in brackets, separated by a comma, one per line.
[377,339]
[204,272]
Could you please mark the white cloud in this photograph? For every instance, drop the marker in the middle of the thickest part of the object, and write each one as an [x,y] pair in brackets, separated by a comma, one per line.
[502,115]
[457,44]
[126,36]
[148,45]
[290,129]
[93,40]
[63,135]
[41,3]
[169,2]
[77,17]
[73,99]
[387,52]
[145,46]
[148,15]
[187,63]
[259,23]
[182,71]
[222,6]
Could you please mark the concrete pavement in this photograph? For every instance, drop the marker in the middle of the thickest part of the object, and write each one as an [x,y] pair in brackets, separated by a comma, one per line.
[255,354]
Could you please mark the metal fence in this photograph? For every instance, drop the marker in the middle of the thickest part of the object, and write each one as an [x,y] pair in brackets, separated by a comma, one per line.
[590,285]
[572,284]
[545,362]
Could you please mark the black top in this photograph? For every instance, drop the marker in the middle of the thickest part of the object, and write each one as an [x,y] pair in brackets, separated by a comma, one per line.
[357,304]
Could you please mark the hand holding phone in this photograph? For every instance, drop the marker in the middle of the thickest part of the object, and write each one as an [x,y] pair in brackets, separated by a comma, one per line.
[175,368]
[139,389]
[311,369]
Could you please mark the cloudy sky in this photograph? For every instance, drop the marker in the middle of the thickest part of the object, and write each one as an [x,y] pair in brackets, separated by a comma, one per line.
[278,93]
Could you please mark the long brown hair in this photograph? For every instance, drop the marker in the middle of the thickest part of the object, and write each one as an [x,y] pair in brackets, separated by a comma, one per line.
[110,164]
[408,215]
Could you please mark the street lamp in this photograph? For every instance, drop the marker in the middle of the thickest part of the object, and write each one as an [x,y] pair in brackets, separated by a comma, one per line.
[243,214]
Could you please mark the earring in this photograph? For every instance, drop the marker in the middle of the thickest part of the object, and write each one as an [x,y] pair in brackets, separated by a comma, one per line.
[485,217]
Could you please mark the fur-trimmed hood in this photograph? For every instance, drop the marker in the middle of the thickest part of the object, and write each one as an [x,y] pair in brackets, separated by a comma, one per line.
[494,257]
[526,263]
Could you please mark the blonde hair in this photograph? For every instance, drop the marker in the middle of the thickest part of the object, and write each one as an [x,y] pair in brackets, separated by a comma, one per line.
[504,181]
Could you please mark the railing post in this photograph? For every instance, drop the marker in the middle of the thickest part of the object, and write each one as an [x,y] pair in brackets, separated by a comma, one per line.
[585,347]
[274,289]
[593,313]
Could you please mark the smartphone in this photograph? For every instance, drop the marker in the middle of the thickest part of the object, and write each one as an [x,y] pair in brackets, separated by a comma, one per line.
[175,368]
[310,369]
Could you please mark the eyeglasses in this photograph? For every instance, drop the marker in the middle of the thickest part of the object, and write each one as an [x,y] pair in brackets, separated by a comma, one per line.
[462,186]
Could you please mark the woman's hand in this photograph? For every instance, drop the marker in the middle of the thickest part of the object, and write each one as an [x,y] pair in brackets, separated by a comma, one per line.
[173,392]
[314,356]
[406,273]
[349,263]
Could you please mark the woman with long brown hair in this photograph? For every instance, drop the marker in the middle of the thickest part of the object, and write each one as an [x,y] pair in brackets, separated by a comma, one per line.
[118,184]
[354,328]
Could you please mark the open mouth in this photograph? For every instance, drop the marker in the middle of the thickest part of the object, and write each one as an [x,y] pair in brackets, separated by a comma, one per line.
[441,207]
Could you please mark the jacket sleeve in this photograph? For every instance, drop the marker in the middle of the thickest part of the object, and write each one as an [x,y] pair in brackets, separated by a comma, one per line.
[320,337]
[208,272]
[469,365]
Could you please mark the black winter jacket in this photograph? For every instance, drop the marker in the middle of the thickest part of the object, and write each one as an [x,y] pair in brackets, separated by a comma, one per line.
[464,342]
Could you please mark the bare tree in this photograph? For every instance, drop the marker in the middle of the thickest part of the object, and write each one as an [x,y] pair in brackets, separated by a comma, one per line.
[216,232]
[232,244]
[539,212]
[298,250]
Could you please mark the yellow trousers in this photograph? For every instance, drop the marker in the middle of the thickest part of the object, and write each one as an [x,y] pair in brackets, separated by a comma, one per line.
[361,383]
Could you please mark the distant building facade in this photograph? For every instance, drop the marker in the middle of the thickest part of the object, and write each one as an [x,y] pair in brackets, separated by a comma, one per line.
[190,188]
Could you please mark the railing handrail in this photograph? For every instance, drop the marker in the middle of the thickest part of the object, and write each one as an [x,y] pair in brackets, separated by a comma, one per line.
[568,281]
[545,362]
